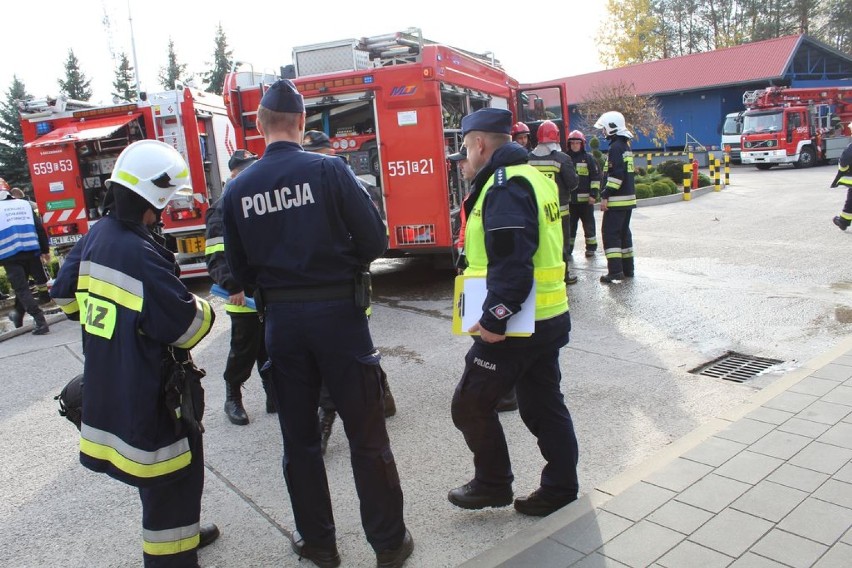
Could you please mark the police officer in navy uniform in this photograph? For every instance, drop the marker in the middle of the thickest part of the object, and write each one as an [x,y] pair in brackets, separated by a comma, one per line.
[299,229]
[247,347]
[513,239]
[844,178]
[136,317]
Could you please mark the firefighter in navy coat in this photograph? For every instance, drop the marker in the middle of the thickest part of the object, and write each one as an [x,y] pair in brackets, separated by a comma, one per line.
[135,312]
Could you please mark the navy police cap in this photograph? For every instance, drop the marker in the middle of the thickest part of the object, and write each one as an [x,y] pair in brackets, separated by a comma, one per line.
[488,120]
[460,155]
[282,96]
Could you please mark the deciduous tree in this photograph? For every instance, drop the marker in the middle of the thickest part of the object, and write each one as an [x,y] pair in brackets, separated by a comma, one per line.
[642,114]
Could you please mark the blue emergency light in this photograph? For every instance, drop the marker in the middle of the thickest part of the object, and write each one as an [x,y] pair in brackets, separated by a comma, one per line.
[43,128]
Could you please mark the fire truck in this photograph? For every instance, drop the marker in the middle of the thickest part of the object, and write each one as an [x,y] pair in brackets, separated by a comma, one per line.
[72,147]
[392,106]
[799,126]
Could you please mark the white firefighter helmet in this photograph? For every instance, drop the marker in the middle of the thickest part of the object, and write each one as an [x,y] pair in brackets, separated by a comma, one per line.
[153,170]
[612,123]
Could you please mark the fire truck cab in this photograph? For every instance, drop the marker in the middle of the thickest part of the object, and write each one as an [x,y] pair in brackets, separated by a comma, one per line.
[72,147]
[797,126]
[392,106]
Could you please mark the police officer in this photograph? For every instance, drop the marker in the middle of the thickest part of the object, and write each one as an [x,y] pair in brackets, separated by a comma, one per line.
[548,158]
[316,141]
[585,195]
[22,239]
[137,316]
[513,238]
[247,345]
[299,228]
[618,198]
[844,178]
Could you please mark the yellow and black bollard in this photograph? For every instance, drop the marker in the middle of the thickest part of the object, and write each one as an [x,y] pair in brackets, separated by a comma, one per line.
[727,170]
[687,181]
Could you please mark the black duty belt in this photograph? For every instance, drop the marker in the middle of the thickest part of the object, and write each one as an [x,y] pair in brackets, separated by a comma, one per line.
[312,294]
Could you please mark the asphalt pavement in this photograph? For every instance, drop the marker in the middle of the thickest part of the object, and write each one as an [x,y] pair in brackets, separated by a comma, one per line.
[757,269]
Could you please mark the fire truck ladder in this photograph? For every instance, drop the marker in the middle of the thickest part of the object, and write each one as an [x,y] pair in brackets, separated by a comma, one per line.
[167,110]
[406,47]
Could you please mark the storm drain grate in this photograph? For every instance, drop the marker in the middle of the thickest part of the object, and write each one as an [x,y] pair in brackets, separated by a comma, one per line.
[735,367]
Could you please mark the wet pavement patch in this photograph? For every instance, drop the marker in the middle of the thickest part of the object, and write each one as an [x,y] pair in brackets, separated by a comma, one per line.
[735,367]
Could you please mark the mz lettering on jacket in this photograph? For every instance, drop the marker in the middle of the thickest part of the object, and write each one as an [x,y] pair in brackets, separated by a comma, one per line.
[277,199]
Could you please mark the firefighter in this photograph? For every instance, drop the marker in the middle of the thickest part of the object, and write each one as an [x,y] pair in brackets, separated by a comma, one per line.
[313,291]
[618,198]
[844,177]
[316,141]
[548,158]
[584,196]
[23,242]
[513,239]
[521,134]
[137,319]
[247,345]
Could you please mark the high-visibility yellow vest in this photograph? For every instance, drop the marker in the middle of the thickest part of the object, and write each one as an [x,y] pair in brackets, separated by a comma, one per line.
[549,269]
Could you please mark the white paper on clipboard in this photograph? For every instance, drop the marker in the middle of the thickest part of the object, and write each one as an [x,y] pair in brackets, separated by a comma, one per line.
[473,296]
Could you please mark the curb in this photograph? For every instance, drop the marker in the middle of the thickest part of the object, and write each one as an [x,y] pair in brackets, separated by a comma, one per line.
[28,327]
[516,544]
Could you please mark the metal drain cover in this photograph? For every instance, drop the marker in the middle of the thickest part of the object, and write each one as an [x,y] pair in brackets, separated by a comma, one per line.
[735,367]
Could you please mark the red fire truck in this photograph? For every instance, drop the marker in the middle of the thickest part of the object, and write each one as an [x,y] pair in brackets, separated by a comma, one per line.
[392,105]
[72,147]
[799,126]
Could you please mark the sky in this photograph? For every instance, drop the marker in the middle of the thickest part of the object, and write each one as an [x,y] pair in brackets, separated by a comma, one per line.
[36,40]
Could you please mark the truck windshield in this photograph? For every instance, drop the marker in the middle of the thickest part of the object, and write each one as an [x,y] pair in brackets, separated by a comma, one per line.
[762,122]
[732,126]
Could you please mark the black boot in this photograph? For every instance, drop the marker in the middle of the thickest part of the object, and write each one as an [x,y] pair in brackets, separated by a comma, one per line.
[234,405]
[40,325]
[509,402]
[17,318]
[390,403]
[326,420]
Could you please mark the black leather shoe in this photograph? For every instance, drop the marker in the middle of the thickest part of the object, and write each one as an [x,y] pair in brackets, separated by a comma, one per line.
[610,278]
[842,223]
[537,504]
[324,557]
[270,405]
[395,557]
[474,495]
[17,318]
[570,279]
[41,329]
[207,534]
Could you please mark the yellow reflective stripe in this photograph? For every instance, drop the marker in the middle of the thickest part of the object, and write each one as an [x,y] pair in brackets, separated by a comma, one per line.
[613,183]
[216,244]
[550,298]
[582,169]
[199,327]
[554,273]
[67,305]
[126,176]
[116,294]
[106,446]
[847,216]
[170,541]
[239,309]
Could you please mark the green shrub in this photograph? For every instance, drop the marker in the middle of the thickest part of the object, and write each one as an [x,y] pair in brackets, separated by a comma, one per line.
[53,266]
[704,180]
[4,283]
[673,170]
[660,188]
[673,187]
[643,190]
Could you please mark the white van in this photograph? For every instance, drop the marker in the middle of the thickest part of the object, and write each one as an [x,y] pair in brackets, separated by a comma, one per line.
[732,129]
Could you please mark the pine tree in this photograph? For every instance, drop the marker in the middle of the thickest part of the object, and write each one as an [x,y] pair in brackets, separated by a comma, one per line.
[75,84]
[13,157]
[124,85]
[173,72]
[215,78]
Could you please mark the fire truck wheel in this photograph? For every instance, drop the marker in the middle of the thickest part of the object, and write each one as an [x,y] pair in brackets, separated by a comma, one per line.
[807,158]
